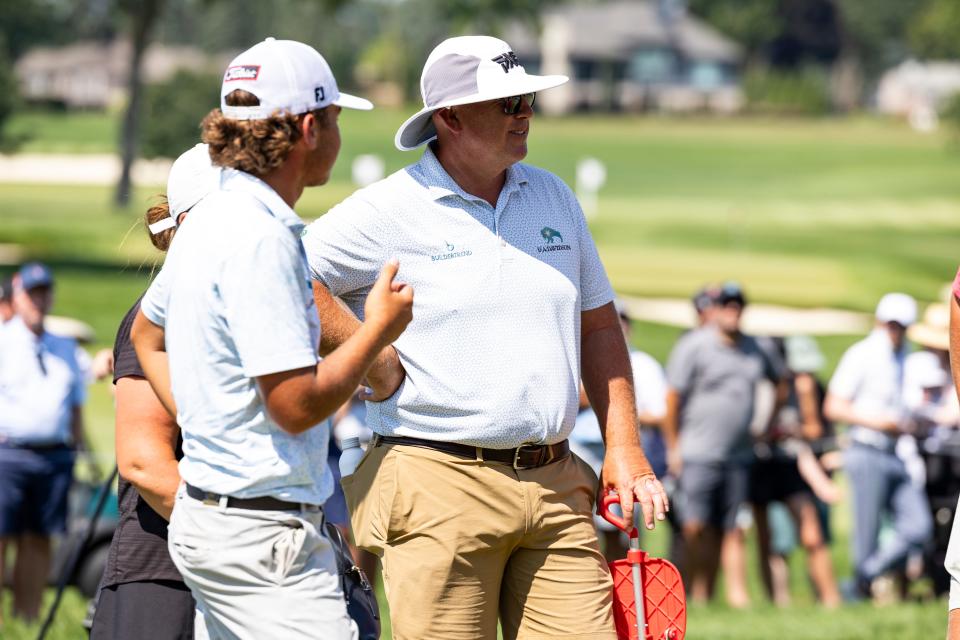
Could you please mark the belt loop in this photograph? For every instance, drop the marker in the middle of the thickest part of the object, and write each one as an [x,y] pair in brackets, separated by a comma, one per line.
[375,440]
[480,454]
[223,503]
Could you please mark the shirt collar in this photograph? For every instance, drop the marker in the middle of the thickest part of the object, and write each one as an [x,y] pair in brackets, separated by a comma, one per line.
[439,184]
[235,180]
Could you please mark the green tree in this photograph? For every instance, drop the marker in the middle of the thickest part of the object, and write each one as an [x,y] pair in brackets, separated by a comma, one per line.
[935,31]
[173,111]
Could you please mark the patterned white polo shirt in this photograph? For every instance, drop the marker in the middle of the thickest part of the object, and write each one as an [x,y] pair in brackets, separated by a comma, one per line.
[493,353]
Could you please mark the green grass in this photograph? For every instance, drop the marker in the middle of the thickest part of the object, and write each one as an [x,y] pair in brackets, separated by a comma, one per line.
[829,212]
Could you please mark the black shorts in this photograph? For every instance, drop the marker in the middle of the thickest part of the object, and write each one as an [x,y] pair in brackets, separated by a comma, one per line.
[713,492]
[775,480]
[34,484]
[150,610]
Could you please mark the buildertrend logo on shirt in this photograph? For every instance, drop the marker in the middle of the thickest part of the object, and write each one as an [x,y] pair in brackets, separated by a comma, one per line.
[451,252]
[551,236]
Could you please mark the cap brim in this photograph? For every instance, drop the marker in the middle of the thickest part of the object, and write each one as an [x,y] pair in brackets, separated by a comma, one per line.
[418,129]
[348,101]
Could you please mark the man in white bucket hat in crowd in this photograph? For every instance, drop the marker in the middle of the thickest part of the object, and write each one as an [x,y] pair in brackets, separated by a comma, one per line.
[468,490]
[234,309]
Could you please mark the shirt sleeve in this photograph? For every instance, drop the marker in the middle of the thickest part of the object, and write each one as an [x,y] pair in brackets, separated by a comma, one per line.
[847,377]
[154,301]
[125,361]
[78,391]
[651,385]
[346,249]
[595,289]
[266,296]
[681,366]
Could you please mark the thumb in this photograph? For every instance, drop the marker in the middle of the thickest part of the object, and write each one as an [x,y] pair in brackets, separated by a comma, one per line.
[388,273]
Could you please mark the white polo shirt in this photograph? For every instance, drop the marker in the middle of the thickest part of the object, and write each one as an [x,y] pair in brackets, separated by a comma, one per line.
[40,385]
[493,352]
[235,299]
[871,376]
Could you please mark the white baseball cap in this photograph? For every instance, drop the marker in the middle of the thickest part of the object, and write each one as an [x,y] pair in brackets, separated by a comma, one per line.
[192,177]
[286,76]
[897,307]
[465,70]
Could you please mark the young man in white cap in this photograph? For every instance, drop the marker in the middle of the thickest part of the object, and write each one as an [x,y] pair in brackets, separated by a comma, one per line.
[468,490]
[235,310]
[866,392]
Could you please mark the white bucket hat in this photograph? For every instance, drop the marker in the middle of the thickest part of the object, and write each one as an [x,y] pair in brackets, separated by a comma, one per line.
[191,178]
[465,70]
[286,76]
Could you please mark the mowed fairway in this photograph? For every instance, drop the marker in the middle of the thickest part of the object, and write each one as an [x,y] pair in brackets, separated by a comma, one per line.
[804,213]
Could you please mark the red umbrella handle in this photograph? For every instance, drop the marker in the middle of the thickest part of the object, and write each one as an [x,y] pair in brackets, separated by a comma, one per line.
[608,500]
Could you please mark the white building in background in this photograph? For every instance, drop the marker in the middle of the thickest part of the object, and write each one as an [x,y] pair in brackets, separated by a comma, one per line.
[93,75]
[631,56]
[918,90]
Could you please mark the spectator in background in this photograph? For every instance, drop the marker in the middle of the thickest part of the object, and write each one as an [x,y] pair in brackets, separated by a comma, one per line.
[776,477]
[587,442]
[41,394]
[866,392]
[712,376]
[952,562]
[705,303]
[928,389]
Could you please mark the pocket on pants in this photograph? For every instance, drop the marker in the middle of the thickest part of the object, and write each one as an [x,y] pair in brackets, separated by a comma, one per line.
[286,553]
[369,493]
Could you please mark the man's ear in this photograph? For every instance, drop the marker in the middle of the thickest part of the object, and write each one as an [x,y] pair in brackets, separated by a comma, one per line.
[447,119]
[310,130]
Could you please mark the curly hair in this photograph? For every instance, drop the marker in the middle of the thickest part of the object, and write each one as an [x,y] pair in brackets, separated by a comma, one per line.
[156,213]
[254,146]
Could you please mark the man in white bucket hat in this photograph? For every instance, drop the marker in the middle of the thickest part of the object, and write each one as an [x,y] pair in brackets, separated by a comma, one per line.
[233,308]
[468,490]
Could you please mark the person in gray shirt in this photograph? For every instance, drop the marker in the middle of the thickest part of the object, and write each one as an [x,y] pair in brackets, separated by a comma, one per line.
[712,376]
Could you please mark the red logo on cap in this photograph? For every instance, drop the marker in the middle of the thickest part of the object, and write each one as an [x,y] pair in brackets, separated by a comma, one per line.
[242,72]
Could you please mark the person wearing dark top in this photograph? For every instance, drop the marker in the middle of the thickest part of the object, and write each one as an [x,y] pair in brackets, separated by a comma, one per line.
[142,595]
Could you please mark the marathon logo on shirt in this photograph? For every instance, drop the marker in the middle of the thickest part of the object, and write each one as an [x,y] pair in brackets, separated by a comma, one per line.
[552,236]
[451,253]
[507,61]
[242,72]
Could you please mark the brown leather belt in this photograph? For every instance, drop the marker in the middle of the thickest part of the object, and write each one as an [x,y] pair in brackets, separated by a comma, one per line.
[527,456]
[262,503]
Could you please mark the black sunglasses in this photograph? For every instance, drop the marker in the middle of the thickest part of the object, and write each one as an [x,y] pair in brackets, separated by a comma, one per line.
[511,106]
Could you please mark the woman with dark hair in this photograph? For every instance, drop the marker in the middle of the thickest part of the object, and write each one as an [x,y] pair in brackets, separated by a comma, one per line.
[142,594]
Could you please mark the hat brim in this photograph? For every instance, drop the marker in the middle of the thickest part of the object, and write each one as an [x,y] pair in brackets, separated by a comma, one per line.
[929,336]
[418,129]
[348,101]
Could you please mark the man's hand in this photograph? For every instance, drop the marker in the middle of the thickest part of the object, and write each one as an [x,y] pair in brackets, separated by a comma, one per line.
[626,471]
[674,462]
[384,377]
[389,306]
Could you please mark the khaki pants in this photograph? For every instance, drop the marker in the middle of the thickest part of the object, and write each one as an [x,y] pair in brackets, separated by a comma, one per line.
[464,541]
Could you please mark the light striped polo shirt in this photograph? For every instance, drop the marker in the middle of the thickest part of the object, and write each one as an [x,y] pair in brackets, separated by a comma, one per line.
[493,353]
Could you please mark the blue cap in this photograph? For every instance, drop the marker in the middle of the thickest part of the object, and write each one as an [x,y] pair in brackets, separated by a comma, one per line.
[35,274]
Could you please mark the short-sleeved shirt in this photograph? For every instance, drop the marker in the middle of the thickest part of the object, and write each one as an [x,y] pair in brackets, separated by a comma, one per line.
[138,551]
[493,352]
[235,299]
[40,385]
[871,375]
[717,382]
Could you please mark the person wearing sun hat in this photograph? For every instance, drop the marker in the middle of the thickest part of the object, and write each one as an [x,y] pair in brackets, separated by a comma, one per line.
[468,489]
[867,393]
[227,336]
